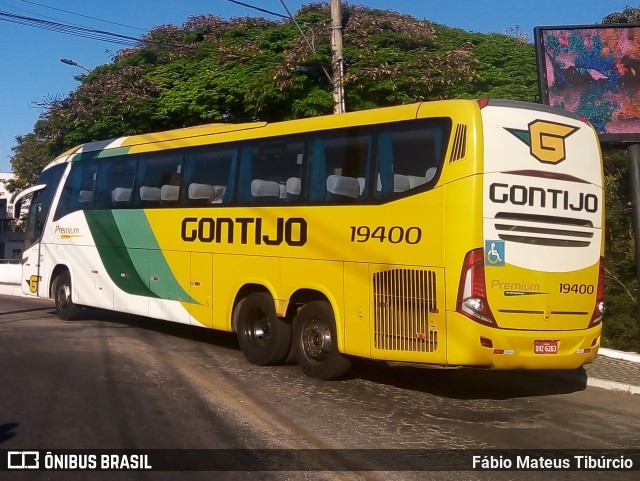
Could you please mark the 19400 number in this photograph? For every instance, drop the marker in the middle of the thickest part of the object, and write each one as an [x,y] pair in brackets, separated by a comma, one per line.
[576,288]
[394,234]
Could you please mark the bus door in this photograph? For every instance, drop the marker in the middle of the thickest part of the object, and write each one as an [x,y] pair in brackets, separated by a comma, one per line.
[33,259]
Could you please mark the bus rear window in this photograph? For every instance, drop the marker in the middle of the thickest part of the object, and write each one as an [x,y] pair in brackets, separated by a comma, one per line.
[410,156]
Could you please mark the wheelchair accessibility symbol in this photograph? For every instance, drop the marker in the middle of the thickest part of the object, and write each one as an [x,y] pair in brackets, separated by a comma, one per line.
[494,253]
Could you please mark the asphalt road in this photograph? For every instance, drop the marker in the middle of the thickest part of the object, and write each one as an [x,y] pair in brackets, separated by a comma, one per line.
[110,381]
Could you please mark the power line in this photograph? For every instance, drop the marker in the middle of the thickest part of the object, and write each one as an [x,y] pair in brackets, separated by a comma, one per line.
[69,29]
[85,16]
[75,30]
[304,37]
[275,14]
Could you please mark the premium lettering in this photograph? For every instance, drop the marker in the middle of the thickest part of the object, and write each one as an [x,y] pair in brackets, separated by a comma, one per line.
[540,197]
[245,230]
[67,230]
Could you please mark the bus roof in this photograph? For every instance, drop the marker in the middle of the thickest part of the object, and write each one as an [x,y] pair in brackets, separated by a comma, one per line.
[206,134]
[211,133]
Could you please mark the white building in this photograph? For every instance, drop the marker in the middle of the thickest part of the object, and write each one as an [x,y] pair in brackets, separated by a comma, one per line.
[4,194]
[11,243]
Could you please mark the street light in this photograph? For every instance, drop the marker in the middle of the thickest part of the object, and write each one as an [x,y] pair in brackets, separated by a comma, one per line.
[74,64]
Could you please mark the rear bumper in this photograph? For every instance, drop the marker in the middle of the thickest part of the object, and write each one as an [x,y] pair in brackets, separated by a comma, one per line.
[513,349]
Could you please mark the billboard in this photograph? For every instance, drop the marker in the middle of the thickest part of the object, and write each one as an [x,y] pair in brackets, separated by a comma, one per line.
[593,71]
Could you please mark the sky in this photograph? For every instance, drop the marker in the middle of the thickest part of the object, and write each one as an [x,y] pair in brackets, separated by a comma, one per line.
[31,71]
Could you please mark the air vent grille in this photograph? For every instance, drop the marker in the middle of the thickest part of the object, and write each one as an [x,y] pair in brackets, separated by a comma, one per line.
[543,230]
[403,300]
[459,150]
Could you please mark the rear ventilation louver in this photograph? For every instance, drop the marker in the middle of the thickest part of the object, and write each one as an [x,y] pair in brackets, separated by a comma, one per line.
[403,299]
[459,150]
[543,230]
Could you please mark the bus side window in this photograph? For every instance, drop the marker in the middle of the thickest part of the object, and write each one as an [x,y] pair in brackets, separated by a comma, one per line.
[116,176]
[410,156]
[340,165]
[209,175]
[271,171]
[79,189]
[157,173]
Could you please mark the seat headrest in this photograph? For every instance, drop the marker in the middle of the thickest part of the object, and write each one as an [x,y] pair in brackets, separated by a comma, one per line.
[169,192]
[201,191]
[121,194]
[149,193]
[265,188]
[345,186]
[294,185]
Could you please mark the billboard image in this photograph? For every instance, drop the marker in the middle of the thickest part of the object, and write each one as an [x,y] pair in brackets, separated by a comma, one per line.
[593,71]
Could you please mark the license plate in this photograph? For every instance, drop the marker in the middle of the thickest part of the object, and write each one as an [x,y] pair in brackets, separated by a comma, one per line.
[545,347]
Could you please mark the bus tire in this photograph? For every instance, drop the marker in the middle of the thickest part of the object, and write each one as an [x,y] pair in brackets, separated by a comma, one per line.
[315,342]
[264,338]
[62,289]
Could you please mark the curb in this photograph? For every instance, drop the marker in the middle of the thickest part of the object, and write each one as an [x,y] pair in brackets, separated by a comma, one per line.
[622,356]
[613,386]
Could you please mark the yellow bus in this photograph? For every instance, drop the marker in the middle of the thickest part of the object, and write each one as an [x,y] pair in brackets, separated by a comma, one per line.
[458,233]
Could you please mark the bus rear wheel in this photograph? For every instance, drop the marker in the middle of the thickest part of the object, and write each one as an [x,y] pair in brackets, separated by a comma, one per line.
[315,343]
[65,307]
[264,338]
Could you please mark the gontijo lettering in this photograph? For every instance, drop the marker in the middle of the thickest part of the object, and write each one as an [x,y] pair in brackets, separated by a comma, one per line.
[537,196]
[291,231]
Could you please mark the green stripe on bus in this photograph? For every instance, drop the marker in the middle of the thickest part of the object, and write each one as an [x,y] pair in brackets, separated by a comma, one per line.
[114,253]
[100,154]
[147,257]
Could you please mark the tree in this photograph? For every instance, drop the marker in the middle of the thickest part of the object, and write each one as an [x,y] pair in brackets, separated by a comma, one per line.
[628,15]
[215,70]
[621,325]
[31,153]
[392,59]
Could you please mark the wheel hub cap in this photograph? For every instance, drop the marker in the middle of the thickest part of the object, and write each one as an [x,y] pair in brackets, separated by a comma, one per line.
[316,339]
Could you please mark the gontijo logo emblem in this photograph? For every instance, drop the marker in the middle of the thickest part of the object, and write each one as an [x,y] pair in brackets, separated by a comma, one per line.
[545,140]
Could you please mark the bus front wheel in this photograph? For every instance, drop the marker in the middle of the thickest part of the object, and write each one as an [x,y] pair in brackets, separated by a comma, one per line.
[315,343]
[65,307]
[264,338]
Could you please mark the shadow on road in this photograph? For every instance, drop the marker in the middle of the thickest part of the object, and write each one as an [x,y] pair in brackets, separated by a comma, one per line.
[472,383]
[20,311]
[455,383]
[184,331]
[7,431]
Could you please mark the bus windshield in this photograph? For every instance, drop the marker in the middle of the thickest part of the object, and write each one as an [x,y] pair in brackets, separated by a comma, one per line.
[41,203]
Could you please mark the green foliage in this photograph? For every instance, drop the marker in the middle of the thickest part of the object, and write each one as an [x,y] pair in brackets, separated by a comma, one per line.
[621,329]
[506,65]
[245,69]
[628,15]
[622,325]
[31,153]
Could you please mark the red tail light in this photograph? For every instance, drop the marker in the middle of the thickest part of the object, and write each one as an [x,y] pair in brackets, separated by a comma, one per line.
[472,293]
[483,103]
[599,309]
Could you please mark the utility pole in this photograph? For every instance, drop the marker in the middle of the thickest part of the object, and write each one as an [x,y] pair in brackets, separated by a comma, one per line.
[336,57]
